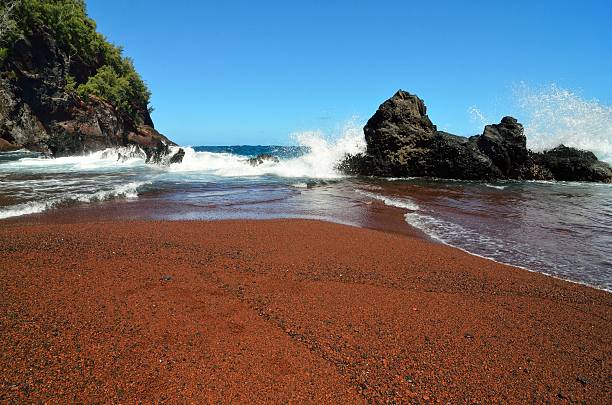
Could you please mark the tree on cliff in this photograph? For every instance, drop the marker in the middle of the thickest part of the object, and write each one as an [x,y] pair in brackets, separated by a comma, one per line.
[109,75]
[6,25]
[65,89]
[6,11]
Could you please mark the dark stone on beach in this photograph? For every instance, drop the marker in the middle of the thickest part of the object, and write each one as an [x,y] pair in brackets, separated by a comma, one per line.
[403,142]
[261,158]
[583,380]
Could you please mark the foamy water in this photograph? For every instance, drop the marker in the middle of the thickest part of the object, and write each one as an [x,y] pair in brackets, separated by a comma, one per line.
[319,160]
[34,184]
[562,229]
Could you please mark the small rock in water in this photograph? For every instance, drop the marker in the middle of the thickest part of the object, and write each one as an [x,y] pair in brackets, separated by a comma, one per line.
[261,158]
[166,277]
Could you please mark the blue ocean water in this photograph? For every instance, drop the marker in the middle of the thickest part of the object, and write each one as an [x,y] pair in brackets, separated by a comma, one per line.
[561,229]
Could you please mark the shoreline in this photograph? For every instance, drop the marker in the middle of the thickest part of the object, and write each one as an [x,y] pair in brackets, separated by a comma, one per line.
[580,283]
[103,211]
[286,309]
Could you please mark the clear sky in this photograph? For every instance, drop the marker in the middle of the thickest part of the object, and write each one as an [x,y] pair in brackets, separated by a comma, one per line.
[252,72]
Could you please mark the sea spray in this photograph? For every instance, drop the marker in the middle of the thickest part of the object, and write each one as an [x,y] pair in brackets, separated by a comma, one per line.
[320,160]
[553,115]
[477,117]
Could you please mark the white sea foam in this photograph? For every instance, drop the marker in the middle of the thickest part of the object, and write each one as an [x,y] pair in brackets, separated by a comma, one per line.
[127,190]
[112,157]
[553,116]
[320,161]
[25,209]
[473,241]
[403,202]
[498,187]
[478,244]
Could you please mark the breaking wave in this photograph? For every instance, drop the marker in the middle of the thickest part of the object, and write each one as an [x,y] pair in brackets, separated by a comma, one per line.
[320,160]
[128,191]
[404,202]
[35,183]
[554,116]
[108,158]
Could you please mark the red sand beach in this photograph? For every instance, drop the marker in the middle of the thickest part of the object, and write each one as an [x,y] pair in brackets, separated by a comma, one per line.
[286,310]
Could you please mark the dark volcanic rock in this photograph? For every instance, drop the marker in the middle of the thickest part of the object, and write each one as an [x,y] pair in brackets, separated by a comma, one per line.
[400,122]
[261,158]
[38,113]
[453,156]
[177,157]
[571,164]
[403,142]
[506,145]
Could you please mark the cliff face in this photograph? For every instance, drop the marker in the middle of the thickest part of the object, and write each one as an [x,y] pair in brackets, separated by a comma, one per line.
[41,109]
[403,142]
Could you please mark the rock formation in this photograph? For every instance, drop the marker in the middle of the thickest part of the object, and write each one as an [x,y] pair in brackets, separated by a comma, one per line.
[403,142]
[40,109]
[261,158]
[571,164]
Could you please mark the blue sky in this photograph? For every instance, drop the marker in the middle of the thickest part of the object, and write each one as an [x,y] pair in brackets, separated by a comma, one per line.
[252,72]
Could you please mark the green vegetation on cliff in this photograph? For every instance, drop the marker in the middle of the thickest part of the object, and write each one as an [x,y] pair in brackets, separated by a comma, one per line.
[113,77]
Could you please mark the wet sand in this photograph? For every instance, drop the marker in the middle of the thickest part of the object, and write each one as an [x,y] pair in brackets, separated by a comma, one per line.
[285,310]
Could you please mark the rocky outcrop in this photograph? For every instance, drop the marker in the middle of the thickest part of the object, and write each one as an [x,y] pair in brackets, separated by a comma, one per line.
[571,164]
[261,158]
[39,112]
[505,145]
[403,142]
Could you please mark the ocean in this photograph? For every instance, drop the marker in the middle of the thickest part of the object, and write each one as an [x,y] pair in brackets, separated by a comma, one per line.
[557,228]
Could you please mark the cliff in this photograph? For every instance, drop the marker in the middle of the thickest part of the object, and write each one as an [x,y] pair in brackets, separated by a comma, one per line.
[403,142]
[64,89]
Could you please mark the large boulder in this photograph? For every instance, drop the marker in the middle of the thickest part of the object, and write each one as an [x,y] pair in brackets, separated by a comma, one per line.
[457,157]
[506,145]
[399,122]
[571,164]
[403,142]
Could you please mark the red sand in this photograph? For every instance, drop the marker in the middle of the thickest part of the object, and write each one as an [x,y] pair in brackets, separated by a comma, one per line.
[286,310]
